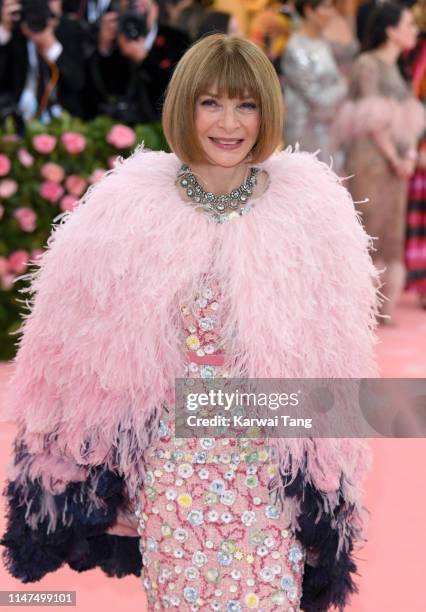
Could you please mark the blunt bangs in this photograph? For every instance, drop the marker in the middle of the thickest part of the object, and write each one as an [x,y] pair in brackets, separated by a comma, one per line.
[228,76]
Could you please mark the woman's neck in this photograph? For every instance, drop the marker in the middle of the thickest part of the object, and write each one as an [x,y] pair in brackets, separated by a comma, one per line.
[220,180]
[389,52]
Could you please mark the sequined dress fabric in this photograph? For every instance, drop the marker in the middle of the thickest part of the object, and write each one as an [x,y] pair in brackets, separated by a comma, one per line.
[313,89]
[211,536]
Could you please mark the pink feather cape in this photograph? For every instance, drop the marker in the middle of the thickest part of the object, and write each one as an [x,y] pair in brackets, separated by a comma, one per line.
[100,349]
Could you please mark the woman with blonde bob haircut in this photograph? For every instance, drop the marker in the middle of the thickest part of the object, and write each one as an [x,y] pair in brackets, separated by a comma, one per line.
[235,68]
[221,259]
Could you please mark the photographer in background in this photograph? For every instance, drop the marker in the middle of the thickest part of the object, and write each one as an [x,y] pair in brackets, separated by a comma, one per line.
[88,11]
[185,15]
[130,68]
[41,59]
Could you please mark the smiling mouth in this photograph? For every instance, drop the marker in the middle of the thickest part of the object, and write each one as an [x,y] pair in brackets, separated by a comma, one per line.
[225,142]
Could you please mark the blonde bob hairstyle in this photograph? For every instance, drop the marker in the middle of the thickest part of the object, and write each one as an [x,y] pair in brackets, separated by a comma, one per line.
[235,68]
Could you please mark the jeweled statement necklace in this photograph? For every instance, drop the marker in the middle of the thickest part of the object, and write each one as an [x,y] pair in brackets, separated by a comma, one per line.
[217,204]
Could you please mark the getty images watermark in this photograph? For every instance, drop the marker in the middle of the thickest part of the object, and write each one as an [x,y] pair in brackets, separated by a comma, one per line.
[335,407]
[219,399]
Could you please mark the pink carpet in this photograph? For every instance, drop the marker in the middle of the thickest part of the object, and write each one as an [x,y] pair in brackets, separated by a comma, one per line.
[392,564]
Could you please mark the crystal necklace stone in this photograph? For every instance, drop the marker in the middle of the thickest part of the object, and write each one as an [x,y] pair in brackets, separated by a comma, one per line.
[218,203]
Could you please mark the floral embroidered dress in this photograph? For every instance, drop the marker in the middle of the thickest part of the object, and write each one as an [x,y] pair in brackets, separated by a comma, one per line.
[211,537]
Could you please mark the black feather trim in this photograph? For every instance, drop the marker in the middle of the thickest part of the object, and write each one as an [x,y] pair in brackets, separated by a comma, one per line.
[79,538]
[330,582]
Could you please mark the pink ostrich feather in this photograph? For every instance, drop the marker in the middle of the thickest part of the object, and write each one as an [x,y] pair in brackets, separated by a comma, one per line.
[101,344]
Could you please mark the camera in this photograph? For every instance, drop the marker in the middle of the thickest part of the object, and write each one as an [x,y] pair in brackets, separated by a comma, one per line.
[35,13]
[132,24]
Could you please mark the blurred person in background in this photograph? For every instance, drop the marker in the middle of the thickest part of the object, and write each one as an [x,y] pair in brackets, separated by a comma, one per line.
[415,250]
[340,34]
[89,14]
[313,85]
[131,66]
[185,15]
[270,29]
[379,126]
[41,59]
[364,12]
[87,10]
[242,10]
[223,23]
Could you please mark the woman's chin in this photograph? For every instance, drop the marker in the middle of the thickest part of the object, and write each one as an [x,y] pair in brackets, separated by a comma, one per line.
[228,159]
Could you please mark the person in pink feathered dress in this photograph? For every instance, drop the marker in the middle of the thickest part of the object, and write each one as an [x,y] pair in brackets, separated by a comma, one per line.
[222,258]
[379,127]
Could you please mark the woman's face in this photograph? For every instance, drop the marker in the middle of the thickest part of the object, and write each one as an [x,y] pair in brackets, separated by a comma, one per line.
[226,128]
[56,7]
[320,16]
[404,35]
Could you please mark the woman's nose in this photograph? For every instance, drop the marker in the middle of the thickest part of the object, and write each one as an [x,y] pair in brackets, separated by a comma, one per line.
[228,119]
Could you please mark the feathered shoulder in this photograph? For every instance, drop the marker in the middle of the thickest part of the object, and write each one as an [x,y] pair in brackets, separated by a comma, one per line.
[140,191]
[308,194]
[117,199]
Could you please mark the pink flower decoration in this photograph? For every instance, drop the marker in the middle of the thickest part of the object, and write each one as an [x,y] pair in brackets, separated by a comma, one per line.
[26,218]
[8,188]
[36,253]
[68,203]
[25,158]
[75,185]
[50,191]
[52,172]
[18,261]
[3,266]
[5,165]
[96,175]
[73,142]
[44,143]
[7,281]
[121,137]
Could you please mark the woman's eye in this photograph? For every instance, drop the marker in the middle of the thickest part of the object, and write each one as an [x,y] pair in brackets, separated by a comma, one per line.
[249,105]
[209,102]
